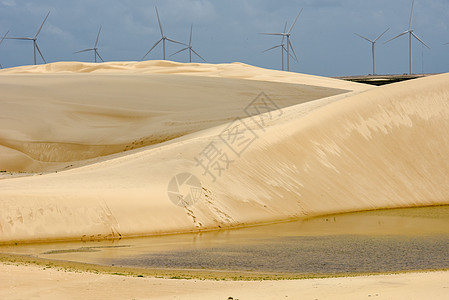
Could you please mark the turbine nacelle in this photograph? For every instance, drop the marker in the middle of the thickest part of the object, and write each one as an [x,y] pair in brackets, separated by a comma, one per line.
[373,43]
[94,49]
[190,48]
[286,34]
[411,34]
[34,39]
[163,39]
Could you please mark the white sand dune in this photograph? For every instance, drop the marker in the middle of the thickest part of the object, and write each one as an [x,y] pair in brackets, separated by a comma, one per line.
[59,115]
[353,148]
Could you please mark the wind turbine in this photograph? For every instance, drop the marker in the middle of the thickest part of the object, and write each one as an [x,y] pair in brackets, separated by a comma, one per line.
[163,39]
[190,48]
[410,35]
[34,39]
[283,49]
[1,41]
[373,43]
[94,49]
[289,43]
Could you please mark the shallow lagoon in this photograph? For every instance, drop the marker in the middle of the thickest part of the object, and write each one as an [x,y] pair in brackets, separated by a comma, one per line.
[373,241]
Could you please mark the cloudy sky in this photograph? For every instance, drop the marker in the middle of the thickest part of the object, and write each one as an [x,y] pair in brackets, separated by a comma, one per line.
[228,31]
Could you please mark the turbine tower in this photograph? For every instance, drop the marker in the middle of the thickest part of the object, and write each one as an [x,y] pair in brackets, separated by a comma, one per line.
[163,39]
[1,41]
[94,49]
[289,43]
[410,35]
[283,49]
[190,48]
[373,43]
[34,39]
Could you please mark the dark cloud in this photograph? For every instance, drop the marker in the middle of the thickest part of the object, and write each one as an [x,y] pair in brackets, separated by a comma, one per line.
[227,31]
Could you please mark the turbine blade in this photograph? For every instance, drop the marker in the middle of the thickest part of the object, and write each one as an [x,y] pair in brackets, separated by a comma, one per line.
[179,51]
[159,21]
[98,54]
[39,50]
[401,34]
[98,35]
[446,43]
[274,47]
[1,41]
[151,49]
[198,55]
[365,38]
[291,47]
[381,35]
[416,37]
[190,40]
[42,25]
[283,34]
[291,27]
[85,50]
[173,41]
[411,16]
[19,38]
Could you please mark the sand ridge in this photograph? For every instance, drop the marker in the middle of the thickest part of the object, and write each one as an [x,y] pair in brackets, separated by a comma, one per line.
[232,70]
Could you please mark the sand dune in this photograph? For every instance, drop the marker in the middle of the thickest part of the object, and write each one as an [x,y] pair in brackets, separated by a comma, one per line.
[59,115]
[353,148]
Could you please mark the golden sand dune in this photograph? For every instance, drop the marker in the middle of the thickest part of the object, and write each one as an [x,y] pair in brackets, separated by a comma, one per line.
[59,115]
[354,148]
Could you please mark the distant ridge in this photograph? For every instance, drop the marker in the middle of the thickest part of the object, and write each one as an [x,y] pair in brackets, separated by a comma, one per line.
[383,79]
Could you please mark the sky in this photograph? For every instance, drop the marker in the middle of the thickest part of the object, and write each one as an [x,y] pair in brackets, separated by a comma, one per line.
[229,31]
